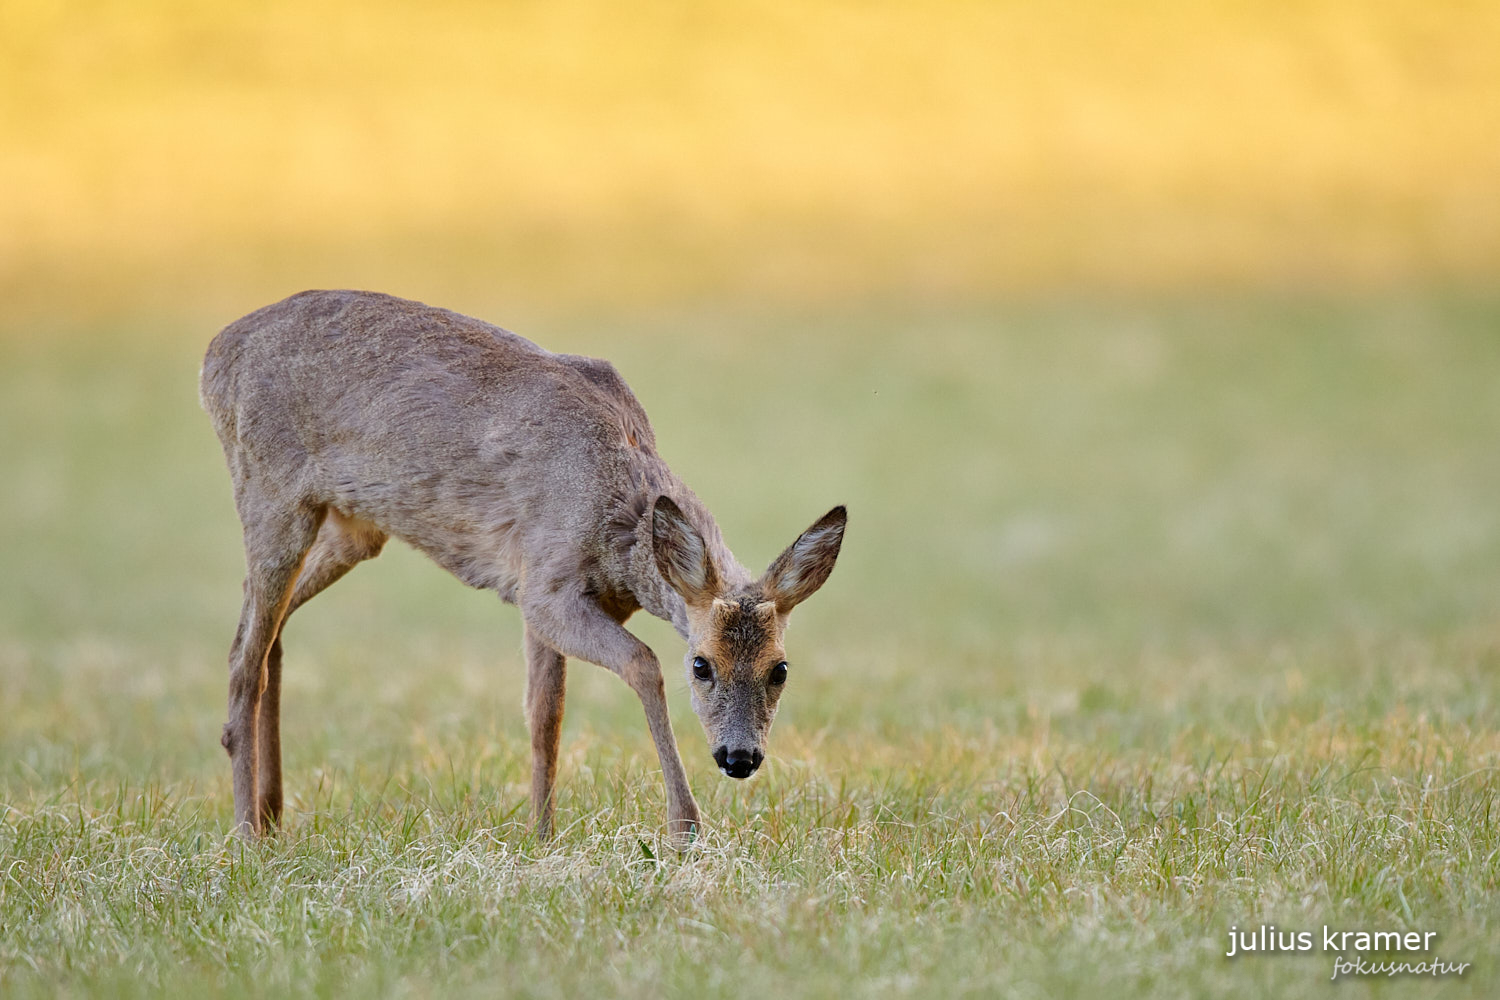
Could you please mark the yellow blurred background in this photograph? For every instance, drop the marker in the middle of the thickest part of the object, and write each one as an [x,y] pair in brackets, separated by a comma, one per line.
[196,159]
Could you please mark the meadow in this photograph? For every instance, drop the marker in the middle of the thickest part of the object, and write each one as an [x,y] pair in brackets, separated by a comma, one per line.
[1155,617]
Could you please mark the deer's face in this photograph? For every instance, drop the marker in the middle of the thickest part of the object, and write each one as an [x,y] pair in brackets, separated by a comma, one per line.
[737,670]
[736,665]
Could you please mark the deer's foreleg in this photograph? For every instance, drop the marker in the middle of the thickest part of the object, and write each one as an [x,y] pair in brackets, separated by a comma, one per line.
[546,676]
[575,626]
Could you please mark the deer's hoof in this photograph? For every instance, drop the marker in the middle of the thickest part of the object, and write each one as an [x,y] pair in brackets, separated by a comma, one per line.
[683,831]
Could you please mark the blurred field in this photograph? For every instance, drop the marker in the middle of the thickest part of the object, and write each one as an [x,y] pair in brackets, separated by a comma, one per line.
[1152,619]
[165,158]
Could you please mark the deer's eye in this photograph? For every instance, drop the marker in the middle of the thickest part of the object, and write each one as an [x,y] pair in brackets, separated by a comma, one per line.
[702,670]
[778,673]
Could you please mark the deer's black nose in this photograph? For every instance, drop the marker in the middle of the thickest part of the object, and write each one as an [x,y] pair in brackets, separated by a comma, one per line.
[738,763]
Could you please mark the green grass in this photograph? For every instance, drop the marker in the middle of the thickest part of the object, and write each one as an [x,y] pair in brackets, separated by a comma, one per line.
[1153,619]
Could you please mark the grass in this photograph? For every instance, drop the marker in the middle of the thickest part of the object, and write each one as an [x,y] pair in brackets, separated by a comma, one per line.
[1154,619]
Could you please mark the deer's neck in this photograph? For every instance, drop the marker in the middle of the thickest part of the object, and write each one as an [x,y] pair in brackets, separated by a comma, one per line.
[650,590]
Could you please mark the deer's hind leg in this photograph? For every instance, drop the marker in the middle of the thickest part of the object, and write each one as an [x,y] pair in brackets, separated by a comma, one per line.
[277,539]
[342,543]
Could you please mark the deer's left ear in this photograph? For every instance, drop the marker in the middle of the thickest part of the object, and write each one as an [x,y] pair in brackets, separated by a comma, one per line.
[805,565]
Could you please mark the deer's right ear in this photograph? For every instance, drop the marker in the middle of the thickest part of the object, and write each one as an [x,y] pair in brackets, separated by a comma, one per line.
[681,555]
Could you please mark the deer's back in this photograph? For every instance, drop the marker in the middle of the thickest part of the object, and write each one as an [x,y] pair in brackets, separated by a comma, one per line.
[472,443]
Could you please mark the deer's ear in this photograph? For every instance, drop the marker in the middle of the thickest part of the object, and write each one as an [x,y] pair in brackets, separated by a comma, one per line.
[805,565]
[681,556]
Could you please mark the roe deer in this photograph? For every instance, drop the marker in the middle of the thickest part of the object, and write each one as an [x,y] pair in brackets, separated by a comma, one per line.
[347,417]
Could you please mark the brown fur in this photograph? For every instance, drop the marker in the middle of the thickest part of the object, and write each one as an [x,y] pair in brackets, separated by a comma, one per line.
[349,417]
